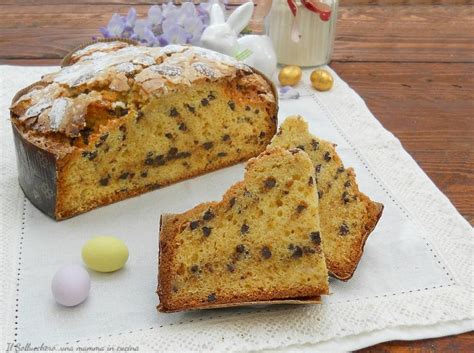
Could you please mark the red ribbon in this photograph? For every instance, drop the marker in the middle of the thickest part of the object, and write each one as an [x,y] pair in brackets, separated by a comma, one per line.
[318,7]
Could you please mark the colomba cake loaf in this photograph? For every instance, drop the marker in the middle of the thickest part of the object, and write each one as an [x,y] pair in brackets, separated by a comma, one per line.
[262,242]
[347,215]
[124,119]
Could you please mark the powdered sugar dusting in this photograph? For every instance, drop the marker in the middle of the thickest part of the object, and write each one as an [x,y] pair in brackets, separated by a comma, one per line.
[58,112]
[36,109]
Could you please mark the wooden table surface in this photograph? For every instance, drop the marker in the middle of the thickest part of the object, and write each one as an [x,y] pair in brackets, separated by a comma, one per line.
[412,61]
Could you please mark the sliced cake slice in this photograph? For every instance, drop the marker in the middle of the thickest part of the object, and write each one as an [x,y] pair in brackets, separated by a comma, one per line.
[260,243]
[347,215]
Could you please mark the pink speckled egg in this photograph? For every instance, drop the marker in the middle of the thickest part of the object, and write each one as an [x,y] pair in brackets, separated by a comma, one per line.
[71,285]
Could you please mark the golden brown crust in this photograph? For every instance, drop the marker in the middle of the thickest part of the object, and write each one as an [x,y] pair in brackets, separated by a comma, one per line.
[65,143]
[171,225]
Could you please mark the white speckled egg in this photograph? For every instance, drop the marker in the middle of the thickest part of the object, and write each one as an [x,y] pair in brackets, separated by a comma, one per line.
[105,254]
[71,285]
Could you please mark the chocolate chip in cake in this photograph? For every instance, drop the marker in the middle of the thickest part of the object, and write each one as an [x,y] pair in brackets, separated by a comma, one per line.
[266,252]
[208,215]
[208,145]
[340,170]
[182,127]
[343,229]
[296,252]
[310,181]
[171,153]
[347,183]
[327,156]
[123,128]
[105,180]
[190,108]
[124,175]
[231,105]
[194,225]
[159,160]
[211,297]
[300,208]
[144,174]
[320,194]
[232,202]
[225,137]
[315,237]
[240,249]
[206,231]
[247,108]
[204,102]
[120,111]
[211,96]
[301,147]
[230,267]
[262,134]
[318,168]
[270,182]
[104,137]
[194,269]
[89,155]
[244,229]
[314,144]
[149,161]
[169,135]
[345,197]
[222,154]
[173,112]
[183,154]
[257,111]
[139,117]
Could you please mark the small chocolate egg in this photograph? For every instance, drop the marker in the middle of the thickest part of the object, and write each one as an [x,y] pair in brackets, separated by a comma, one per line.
[321,80]
[290,75]
[105,254]
[71,285]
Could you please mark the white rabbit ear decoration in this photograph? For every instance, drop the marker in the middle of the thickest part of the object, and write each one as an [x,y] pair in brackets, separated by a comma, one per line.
[216,15]
[222,36]
[240,18]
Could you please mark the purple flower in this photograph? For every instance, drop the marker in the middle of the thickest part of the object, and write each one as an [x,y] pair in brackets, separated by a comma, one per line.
[194,27]
[168,24]
[131,18]
[143,33]
[115,27]
[176,35]
[155,16]
[288,92]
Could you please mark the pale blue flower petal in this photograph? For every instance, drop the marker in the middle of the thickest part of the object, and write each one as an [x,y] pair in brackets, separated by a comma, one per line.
[288,92]
[155,16]
[116,25]
[131,17]
[176,35]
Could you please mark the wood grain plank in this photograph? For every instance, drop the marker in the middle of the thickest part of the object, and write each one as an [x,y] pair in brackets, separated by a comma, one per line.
[429,107]
[452,344]
[237,2]
[364,33]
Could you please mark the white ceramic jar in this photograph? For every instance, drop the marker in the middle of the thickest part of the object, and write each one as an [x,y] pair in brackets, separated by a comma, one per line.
[317,36]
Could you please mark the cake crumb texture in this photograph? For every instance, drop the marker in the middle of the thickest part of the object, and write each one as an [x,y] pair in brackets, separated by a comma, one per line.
[124,119]
[347,215]
[260,243]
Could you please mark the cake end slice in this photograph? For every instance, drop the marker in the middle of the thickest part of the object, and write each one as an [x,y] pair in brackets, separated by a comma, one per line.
[347,215]
[260,244]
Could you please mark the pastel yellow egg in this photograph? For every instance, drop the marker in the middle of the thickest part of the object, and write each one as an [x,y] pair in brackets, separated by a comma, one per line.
[105,254]
[290,75]
[321,80]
